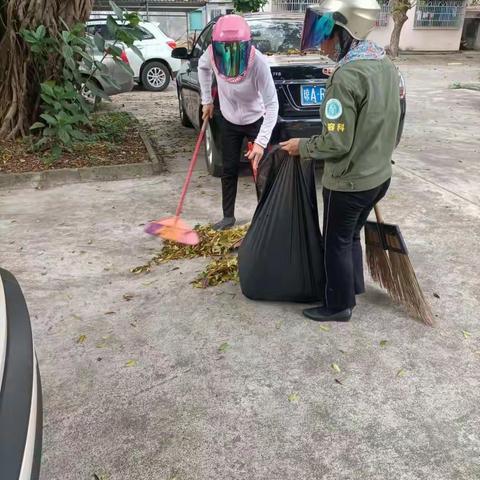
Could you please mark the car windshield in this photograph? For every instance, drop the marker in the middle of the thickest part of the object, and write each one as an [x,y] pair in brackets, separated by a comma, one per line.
[273,37]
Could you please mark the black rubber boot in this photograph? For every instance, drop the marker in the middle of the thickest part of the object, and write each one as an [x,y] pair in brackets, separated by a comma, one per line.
[323,314]
[225,223]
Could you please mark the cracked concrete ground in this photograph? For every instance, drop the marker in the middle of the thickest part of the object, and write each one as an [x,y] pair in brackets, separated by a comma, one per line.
[148,395]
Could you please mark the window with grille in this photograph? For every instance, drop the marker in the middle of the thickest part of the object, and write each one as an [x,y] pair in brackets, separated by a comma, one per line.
[385,12]
[291,5]
[439,14]
[215,12]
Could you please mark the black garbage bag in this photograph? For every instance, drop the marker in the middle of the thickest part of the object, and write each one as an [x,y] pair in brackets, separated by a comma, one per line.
[281,257]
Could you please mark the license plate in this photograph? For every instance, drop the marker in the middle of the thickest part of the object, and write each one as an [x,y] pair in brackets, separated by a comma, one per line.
[311,94]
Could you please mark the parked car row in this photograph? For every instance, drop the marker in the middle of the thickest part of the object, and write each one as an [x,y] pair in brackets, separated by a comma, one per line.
[300,81]
[300,78]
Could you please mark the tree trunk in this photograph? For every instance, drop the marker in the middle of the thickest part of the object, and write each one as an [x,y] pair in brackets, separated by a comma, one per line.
[399,16]
[19,78]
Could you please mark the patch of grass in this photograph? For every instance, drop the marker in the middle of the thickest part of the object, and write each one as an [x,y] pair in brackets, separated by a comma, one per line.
[107,129]
[111,139]
[112,126]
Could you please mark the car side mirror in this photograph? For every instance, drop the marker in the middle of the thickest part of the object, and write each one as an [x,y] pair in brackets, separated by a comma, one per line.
[181,53]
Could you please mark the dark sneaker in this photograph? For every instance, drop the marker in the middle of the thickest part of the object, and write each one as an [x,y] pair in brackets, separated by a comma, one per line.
[324,314]
[225,224]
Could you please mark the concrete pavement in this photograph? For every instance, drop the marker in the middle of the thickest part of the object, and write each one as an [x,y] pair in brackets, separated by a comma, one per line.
[148,395]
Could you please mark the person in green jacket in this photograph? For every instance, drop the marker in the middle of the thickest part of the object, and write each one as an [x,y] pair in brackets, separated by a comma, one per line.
[361,114]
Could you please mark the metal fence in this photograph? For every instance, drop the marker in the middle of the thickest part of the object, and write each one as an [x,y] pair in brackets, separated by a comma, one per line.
[384,14]
[290,5]
[445,14]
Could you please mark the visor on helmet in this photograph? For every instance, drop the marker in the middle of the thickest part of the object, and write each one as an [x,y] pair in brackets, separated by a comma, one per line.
[231,58]
[317,30]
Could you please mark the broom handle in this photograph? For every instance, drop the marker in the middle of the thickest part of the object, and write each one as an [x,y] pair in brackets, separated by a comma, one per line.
[378,214]
[193,161]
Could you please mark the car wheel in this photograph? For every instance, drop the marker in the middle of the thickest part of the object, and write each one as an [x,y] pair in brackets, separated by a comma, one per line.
[184,120]
[212,154]
[155,77]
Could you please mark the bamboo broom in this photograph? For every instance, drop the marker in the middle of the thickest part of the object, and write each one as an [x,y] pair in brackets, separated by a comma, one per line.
[390,266]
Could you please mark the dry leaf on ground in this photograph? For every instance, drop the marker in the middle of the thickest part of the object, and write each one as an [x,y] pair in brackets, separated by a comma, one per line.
[223,347]
[336,368]
[294,397]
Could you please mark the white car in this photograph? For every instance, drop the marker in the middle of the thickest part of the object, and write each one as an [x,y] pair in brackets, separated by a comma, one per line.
[122,78]
[158,67]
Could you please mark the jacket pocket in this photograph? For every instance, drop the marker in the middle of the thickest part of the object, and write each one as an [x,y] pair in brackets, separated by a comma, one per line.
[340,168]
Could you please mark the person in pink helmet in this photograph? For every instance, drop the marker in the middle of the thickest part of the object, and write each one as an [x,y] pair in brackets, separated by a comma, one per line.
[248,101]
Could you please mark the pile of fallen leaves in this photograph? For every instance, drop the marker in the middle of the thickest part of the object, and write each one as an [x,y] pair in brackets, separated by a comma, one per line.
[225,269]
[218,245]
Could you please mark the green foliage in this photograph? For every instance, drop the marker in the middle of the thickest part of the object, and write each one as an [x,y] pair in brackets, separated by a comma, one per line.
[39,43]
[245,6]
[112,126]
[401,7]
[64,109]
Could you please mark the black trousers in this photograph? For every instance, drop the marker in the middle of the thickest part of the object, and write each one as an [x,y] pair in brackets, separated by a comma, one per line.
[344,216]
[232,141]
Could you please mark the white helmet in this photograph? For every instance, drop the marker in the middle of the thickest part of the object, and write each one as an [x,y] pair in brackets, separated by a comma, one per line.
[357,17]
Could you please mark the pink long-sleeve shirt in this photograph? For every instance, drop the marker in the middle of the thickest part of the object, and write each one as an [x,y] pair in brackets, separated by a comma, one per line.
[244,102]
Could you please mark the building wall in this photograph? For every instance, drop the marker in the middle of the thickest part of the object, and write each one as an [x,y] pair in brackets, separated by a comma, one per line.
[422,39]
[419,39]
[175,23]
[411,38]
[214,8]
[175,26]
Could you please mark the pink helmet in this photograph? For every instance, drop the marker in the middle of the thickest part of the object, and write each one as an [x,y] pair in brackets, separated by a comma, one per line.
[231,28]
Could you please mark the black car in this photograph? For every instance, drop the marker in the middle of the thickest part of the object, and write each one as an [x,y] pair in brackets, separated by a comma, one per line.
[20,387]
[300,81]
